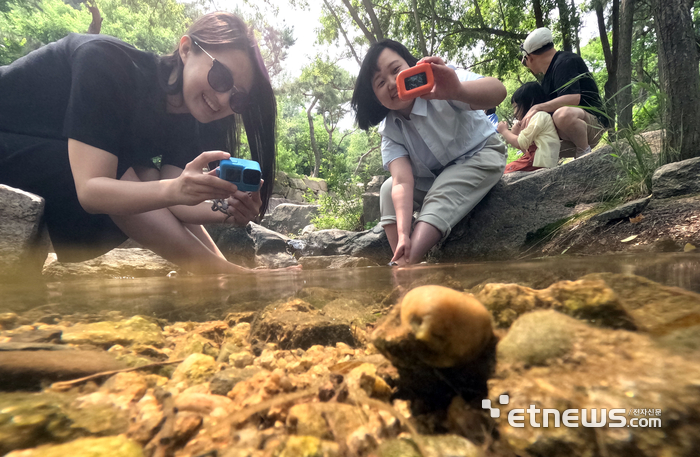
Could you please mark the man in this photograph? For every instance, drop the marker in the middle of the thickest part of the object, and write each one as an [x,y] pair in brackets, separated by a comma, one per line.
[569,86]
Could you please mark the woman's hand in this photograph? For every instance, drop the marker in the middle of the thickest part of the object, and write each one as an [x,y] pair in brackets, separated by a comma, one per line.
[447,83]
[193,186]
[244,207]
[402,254]
[502,126]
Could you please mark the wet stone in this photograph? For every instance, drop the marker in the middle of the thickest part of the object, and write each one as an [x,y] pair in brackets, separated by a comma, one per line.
[195,369]
[225,380]
[196,344]
[604,370]
[136,330]
[589,299]
[308,446]
[7,320]
[434,446]
[537,337]
[653,307]
[27,370]
[29,420]
[297,324]
[113,446]
[38,336]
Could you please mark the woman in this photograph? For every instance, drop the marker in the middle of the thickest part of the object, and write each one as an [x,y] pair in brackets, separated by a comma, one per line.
[82,118]
[441,150]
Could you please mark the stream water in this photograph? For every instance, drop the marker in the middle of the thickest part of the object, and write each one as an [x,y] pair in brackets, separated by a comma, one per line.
[202,298]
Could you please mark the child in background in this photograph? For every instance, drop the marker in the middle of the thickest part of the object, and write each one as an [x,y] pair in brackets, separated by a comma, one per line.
[441,149]
[493,117]
[539,140]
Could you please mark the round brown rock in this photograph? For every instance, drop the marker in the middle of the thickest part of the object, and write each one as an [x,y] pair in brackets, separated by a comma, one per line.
[454,325]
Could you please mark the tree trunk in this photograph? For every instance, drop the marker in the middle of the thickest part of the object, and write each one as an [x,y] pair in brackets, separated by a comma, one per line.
[565,24]
[610,53]
[624,71]
[343,32]
[356,17]
[678,62]
[376,28]
[419,29]
[96,24]
[312,138]
[539,17]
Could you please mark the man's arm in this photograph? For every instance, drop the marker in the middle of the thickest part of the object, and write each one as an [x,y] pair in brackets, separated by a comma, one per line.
[552,105]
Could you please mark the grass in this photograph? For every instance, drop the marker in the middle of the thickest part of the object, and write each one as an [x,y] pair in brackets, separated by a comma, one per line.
[638,160]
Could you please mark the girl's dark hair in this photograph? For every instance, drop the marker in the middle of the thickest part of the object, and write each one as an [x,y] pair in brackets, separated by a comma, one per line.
[527,96]
[221,30]
[368,111]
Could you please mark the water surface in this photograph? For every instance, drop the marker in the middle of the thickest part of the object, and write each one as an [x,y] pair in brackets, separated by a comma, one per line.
[201,298]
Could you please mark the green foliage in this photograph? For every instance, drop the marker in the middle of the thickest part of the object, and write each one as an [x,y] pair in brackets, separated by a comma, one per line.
[154,26]
[24,28]
[483,34]
[341,210]
[150,26]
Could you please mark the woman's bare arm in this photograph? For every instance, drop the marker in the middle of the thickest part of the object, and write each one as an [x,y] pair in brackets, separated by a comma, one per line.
[100,192]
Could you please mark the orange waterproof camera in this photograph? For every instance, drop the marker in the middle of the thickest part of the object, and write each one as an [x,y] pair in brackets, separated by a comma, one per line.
[415,81]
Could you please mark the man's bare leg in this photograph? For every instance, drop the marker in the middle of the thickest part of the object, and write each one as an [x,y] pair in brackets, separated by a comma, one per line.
[571,125]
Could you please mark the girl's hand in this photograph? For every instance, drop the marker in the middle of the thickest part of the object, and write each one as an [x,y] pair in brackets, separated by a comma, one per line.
[193,186]
[447,83]
[517,127]
[502,126]
[244,207]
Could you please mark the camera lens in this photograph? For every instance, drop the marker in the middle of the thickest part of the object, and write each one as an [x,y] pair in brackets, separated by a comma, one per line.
[233,175]
[251,177]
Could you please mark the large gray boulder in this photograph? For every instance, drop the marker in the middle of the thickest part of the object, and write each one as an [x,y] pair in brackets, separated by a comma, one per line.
[371,244]
[524,202]
[678,178]
[290,218]
[271,249]
[370,207]
[24,244]
[234,243]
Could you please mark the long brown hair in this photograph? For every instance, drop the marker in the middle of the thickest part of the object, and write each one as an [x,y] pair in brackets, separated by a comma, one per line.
[221,30]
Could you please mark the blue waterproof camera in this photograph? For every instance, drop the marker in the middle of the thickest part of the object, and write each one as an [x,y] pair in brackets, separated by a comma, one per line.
[245,174]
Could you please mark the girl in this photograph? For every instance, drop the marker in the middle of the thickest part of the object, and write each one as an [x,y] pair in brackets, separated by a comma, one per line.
[540,134]
[441,150]
[82,118]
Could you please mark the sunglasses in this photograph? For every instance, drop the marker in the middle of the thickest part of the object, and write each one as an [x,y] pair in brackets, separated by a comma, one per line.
[525,55]
[221,80]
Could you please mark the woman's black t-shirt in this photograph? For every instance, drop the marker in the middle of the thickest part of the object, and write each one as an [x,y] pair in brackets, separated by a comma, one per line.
[100,91]
[103,92]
